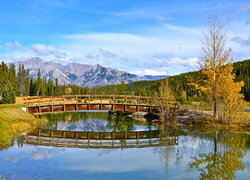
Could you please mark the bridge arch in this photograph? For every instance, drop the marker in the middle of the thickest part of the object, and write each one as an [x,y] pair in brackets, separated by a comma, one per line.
[99,140]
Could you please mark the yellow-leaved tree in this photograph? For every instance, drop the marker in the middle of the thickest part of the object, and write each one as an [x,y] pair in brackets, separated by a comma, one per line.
[232,100]
[217,73]
[166,101]
[68,91]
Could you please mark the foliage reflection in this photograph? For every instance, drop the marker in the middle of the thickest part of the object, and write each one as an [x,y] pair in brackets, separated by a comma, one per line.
[222,151]
[101,120]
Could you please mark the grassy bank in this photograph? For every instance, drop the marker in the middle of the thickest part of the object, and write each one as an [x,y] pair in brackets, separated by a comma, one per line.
[14,121]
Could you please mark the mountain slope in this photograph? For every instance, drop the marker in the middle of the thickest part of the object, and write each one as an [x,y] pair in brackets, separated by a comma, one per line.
[80,74]
[179,84]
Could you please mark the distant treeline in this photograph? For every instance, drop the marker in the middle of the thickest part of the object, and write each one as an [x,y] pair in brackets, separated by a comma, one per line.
[19,83]
[180,85]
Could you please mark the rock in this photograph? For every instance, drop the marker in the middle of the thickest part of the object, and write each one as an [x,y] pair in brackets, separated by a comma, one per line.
[139,114]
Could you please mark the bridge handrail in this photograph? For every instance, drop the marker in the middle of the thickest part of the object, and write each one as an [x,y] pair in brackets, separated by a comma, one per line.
[91,98]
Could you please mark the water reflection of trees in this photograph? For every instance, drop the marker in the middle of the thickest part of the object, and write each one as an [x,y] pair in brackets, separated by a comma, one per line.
[116,123]
[121,123]
[219,155]
[224,159]
[6,136]
[9,131]
[167,150]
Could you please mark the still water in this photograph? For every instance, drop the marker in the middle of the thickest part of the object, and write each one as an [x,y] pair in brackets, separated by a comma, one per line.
[154,153]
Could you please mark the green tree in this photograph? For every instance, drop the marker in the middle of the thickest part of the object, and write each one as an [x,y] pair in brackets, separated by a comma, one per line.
[38,84]
[22,81]
[13,78]
[8,97]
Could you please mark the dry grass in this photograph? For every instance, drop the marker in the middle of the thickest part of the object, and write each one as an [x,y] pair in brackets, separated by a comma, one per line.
[207,108]
[15,114]
[14,121]
[19,103]
[20,100]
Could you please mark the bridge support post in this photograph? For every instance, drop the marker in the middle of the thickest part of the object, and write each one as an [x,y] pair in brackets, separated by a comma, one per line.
[112,136]
[63,135]
[137,108]
[100,137]
[137,140]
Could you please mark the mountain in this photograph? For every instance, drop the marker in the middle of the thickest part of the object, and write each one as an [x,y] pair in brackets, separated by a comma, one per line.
[157,77]
[80,74]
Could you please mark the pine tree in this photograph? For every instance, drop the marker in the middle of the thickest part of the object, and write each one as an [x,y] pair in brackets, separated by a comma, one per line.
[13,78]
[38,83]
[22,80]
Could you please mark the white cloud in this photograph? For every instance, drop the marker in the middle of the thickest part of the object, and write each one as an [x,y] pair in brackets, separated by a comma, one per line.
[44,153]
[43,49]
[162,59]
[135,51]
[149,72]
[245,8]
[46,50]
[15,57]
[108,54]
[186,30]
[176,61]
[176,73]
[149,14]
[13,45]
[241,41]
[137,46]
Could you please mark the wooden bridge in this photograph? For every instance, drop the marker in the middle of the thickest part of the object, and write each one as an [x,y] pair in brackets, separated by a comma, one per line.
[98,102]
[100,140]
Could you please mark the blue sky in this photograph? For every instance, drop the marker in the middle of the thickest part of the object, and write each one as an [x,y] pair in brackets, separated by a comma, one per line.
[138,36]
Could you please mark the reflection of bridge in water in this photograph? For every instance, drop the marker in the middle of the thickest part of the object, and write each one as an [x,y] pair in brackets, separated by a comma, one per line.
[98,140]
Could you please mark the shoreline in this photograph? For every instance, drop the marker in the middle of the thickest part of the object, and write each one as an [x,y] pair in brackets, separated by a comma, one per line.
[14,122]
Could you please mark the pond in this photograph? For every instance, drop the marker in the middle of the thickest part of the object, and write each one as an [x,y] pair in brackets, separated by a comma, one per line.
[97,145]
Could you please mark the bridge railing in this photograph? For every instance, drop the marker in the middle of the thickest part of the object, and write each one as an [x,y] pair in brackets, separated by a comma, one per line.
[100,99]
[107,140]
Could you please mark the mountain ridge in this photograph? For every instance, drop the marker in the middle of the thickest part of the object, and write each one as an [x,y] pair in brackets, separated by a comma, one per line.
[80,74]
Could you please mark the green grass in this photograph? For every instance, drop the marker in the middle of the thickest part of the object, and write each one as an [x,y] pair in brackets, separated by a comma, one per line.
[11,105]
[14,121]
